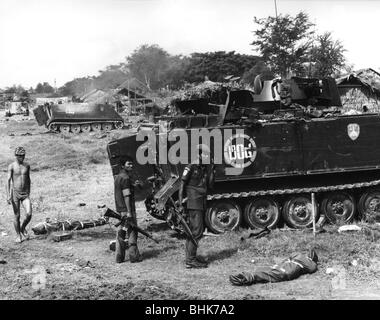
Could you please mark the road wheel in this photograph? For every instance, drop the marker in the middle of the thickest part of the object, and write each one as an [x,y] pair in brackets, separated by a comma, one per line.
[85,127]
[107,126]
[119,125]
[297,212]
[223,215]
[96,126]
[338,206]
[75,128]
[65,128]
[262,212]
[150,206]
[369,205]
[54,127]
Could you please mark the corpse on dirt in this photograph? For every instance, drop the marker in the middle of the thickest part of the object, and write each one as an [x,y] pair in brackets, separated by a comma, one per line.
[293,267]
[18,192]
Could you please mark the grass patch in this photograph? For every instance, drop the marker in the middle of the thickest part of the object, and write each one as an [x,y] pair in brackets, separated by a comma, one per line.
[56,152]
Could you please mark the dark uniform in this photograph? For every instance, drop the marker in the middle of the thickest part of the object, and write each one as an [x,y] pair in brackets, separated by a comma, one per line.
[297,265]
[196,181]
[124,187]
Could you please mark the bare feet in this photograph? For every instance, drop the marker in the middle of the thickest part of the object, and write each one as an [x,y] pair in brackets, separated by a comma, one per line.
[25,234]
[18,238]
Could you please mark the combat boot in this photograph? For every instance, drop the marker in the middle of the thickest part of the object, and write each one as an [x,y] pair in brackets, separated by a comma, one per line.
[195,264]
[201,259]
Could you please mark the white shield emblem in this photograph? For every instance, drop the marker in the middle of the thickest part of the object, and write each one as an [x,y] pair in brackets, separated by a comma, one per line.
[353,130]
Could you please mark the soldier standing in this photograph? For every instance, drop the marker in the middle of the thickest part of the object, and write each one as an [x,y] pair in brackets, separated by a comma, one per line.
[197,178]
[18,194]
[125,205]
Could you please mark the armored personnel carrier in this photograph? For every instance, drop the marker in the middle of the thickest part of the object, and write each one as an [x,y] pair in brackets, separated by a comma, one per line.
[78,117]
[280,145]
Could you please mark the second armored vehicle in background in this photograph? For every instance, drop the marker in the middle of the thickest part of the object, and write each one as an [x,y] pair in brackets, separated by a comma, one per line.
[78,117]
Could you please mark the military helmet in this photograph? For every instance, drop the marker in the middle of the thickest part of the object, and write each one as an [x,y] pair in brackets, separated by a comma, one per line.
[20,151]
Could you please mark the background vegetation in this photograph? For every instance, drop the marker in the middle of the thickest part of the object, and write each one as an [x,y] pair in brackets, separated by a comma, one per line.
[284,45]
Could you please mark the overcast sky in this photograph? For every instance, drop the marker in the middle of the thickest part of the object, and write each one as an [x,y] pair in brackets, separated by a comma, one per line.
[48,40]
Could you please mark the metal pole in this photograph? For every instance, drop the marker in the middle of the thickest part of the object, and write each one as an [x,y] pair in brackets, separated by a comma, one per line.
[275,7]
[313,211]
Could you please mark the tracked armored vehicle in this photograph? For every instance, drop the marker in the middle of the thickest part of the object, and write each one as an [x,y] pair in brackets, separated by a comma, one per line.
[280,145]
[78,117]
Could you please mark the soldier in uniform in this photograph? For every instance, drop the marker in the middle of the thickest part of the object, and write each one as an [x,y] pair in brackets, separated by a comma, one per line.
[196,179]
[125,205]
[19,193]
[291,268]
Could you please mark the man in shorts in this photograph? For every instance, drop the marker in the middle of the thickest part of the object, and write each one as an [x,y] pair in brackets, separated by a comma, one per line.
[18,192]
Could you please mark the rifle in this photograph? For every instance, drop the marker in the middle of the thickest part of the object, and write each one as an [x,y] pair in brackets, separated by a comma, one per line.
[256,235]
[109,213]
[183,223]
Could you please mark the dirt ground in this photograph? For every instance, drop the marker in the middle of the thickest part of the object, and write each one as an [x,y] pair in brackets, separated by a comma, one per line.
[68,170]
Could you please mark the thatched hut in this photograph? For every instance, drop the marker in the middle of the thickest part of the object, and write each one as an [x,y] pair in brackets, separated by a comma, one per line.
[360,89]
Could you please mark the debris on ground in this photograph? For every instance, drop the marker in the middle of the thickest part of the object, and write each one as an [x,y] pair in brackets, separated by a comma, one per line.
[349,227]
[84,263]
[330,270]
[66,267]
[207,233]
[61,236]
[372,233]
[354,263]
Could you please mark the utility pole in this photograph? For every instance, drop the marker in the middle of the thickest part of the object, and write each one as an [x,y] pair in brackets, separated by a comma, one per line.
[275,7]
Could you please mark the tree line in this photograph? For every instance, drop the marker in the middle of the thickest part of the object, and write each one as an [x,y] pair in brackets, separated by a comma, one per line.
[285,46]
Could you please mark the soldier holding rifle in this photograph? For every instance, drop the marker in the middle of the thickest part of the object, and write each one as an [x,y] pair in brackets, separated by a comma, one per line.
[196,179]
[125,205]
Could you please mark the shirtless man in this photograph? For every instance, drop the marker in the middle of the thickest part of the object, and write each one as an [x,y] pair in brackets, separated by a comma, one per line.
[18,174]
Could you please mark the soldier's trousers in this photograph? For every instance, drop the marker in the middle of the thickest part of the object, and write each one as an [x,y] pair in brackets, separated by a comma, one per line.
[263,275]
[121,246]
[196,226]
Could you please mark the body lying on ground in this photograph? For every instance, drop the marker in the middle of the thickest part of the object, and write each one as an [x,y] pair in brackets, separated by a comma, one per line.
[293,267]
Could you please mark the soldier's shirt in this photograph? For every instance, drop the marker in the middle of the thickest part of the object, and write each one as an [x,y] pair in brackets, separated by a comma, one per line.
[296,265]
[123,187]
[195,178]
